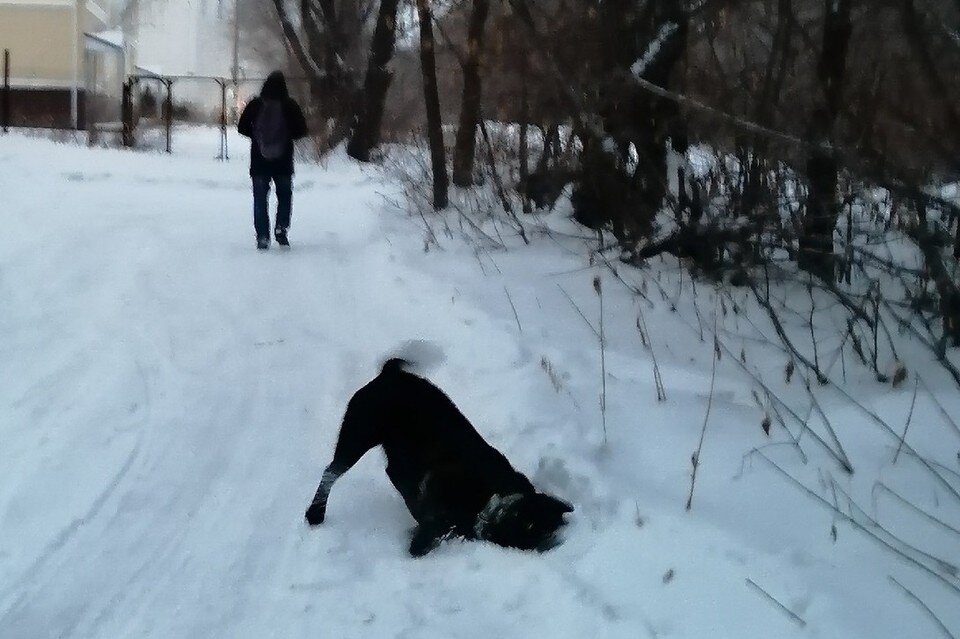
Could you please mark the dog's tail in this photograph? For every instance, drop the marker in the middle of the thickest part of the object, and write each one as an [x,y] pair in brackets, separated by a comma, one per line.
[394,365]
[414,356]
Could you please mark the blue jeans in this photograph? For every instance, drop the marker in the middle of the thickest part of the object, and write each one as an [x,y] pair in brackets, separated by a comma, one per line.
[261,195]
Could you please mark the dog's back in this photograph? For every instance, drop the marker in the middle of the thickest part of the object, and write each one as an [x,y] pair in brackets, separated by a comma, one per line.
[422,431]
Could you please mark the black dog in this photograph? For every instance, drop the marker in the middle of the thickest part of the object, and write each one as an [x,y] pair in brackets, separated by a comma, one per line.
[453,482]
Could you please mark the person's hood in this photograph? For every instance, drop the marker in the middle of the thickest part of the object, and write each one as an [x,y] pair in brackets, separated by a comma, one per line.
[275,87]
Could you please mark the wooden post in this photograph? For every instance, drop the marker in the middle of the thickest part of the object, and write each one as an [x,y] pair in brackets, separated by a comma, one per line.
[5,105]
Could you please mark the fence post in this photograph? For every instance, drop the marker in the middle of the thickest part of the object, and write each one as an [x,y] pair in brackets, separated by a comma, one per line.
[126,113]
[224,155]
[5,102]
[169,111]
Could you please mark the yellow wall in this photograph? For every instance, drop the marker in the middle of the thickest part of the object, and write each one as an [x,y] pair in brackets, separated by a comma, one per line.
[43,42]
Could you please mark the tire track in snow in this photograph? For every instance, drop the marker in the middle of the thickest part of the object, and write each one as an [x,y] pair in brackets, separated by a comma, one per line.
[189,484]
[151,550]
[66,534]
[67,558]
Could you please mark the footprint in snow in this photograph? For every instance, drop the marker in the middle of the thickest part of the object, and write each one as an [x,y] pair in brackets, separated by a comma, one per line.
[78,176]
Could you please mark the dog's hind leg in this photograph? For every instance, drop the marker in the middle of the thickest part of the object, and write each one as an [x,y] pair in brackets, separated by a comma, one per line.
[358,434]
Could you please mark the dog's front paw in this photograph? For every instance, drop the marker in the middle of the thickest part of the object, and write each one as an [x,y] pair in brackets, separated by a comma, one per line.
[420,548]
[315,515]
[422,542]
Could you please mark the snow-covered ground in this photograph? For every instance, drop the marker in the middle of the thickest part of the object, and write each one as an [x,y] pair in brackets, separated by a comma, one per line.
[169,397]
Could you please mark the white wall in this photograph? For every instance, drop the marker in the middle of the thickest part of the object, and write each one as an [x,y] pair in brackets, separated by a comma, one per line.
[187,37]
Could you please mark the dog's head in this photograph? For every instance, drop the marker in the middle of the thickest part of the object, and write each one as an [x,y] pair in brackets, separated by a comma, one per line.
[528,521]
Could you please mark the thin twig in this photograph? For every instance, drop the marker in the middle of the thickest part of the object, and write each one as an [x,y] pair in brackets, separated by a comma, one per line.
[813,335]
[775,399]
[915,508]
[516,316]
[598,287]
[695,459]
[876,418]
[943,412]
[783,423]
[778,326]
[577,308]
[833,433]
[932,615]
[941,564]
[859,526]
[498,183]
[916,384]
[794,616]
[934,464]
[657,378]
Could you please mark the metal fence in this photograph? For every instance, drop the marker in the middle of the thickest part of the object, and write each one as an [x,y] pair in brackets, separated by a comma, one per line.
[5,98]
[154,101]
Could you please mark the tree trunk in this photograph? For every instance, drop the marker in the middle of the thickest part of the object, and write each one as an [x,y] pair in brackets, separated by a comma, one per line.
[524,150]
[301,50]
[605,192]
[820,220]
[366,131]
[754,155]
[956,242]
[939,273]
[466,146]
[431,98]
[315,36]
[661,116]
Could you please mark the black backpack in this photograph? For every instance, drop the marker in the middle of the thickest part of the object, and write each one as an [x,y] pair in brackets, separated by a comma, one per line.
[270,130]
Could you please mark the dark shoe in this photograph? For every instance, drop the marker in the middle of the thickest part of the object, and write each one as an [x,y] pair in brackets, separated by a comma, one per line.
[263,243]
[281,236]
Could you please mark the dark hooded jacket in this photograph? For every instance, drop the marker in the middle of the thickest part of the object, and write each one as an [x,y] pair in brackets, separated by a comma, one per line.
[275,88]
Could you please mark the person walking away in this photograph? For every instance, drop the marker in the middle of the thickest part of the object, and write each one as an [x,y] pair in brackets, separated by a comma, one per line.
[272,121]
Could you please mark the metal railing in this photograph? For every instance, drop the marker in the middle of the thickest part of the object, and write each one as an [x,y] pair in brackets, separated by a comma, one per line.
[5,97]
[167,82]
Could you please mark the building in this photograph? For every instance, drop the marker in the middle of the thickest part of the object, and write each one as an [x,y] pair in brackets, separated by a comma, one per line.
[190,40]
[195,40]
[68,60]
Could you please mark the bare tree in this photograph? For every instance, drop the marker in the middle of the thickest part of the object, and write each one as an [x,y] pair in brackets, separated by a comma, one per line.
[428,65]
[366,131]
[820,218]
[328,39]
[647,42]
[465,149]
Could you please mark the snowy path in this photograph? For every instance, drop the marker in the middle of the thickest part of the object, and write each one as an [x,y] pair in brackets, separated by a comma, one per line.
[170,395]
[152,322]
